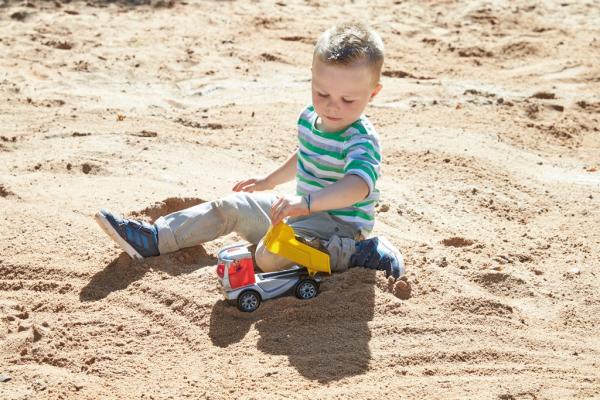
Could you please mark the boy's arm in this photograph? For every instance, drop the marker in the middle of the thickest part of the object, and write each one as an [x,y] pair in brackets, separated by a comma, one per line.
[284,173]
[363,161]
[343,193]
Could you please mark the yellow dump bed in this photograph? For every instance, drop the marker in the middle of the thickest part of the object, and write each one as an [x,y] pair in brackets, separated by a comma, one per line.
[281,240]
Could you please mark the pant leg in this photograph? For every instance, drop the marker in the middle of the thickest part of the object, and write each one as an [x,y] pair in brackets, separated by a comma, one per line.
[243,213]
[337,236]
[340,250]
[322,225]
[247,215]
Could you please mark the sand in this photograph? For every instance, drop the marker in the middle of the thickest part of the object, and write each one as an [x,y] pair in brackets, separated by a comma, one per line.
[489,119]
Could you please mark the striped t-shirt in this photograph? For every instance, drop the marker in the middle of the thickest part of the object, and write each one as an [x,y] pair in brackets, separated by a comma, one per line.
[326,157]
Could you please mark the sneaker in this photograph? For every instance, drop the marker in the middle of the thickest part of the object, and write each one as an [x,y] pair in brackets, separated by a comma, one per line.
[139,239]
[378,253]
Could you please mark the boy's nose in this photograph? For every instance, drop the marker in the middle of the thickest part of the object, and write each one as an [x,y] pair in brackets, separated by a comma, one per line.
[332,105]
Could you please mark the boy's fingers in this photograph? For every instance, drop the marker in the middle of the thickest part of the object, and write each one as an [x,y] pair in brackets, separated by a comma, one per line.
[283,211]
[276,204]
[273,210]
[276,210]
[244,186]
[275,220]
[238,186]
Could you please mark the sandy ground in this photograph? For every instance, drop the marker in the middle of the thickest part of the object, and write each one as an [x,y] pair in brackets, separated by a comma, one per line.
[489,119]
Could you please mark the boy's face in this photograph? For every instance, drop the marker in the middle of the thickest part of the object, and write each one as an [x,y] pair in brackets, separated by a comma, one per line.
[340,93]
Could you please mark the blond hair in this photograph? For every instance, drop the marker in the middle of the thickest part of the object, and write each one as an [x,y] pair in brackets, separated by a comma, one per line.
[349,43]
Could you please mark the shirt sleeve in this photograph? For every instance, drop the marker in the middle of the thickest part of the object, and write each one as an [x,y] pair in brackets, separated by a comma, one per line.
[363,158]
[305,114]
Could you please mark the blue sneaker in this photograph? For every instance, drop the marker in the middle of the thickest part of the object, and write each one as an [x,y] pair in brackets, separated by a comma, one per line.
[378,253]
[139,239]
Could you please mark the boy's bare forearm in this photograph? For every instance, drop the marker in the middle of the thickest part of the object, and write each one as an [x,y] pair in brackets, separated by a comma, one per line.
[285,172]
[345,192]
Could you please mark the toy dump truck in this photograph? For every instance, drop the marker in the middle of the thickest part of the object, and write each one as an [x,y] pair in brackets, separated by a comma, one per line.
[242,286]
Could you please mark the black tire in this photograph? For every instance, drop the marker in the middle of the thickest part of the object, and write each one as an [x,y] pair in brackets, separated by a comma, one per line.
[307,289]
[248,301]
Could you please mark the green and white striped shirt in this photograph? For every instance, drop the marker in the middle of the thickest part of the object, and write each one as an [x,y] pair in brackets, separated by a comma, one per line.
[326,157]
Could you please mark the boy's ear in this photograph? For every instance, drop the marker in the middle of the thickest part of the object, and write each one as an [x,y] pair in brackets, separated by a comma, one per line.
[375,91]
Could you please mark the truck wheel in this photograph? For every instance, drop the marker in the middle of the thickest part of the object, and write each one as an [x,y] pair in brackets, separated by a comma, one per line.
[307,289]
[248,301]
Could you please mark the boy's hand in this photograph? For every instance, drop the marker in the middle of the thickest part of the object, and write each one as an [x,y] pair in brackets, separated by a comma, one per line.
[252,185]
[288,206]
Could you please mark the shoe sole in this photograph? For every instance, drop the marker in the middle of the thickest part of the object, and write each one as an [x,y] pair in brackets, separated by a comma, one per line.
[393,248]
[114,235]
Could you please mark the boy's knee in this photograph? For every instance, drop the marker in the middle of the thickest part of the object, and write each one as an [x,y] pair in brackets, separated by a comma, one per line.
[227,206]
[267,261]
[227,210]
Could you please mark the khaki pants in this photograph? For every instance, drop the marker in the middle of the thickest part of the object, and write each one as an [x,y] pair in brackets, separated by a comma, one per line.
[247,214]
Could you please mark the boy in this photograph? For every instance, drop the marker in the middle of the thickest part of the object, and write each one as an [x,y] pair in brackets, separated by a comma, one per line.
[336,166]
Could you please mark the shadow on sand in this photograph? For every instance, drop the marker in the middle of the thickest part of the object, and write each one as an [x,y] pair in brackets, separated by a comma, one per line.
[123,271]
[326,339]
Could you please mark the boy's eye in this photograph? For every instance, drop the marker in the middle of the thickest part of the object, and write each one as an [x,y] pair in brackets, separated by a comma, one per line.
[322,94]
[348,101]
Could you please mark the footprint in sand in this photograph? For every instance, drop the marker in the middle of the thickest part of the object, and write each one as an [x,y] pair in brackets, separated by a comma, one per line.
[5,192]
[589,107]
[456,241]
[503,284]
[480,306]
